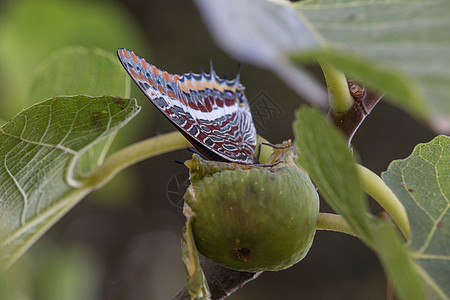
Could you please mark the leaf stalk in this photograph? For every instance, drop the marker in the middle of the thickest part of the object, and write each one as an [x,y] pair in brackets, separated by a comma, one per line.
[333,222]
[373,185]
[339,96]
[134,153]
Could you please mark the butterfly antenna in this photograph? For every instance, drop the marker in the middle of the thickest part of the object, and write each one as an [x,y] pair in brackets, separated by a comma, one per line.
[179,162]
[282,146]
[193,150]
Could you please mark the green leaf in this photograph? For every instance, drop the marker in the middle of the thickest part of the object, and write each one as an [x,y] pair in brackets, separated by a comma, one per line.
[325,156]
[79,70]
[400,47]
[40,149]
[31,30]
[422,183]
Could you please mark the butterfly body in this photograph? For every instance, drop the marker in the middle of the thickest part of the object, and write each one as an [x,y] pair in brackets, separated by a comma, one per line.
[212,113]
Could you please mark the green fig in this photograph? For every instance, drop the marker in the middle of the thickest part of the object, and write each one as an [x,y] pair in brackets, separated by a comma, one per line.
[252,218]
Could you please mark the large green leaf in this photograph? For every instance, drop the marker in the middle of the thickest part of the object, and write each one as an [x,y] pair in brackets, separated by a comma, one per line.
[396,46]
[39,150]
[77,70]
[263,32]
[422,184]
[30,31]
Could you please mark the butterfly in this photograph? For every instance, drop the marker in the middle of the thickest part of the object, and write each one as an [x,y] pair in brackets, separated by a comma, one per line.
[212,113]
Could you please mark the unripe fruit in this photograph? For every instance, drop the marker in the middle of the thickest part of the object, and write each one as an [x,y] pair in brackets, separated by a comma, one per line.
[252,218]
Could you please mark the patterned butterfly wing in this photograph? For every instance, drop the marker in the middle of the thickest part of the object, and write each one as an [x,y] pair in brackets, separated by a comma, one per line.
[212,113]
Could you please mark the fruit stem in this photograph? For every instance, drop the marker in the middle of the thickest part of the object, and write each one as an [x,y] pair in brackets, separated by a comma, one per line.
[334,222]
[373,185]
[339,95]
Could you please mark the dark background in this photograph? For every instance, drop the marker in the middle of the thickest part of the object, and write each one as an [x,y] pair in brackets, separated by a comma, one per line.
[134,237]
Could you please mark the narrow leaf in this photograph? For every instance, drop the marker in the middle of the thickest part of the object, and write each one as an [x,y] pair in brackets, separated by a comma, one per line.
[325,156]
[397,263]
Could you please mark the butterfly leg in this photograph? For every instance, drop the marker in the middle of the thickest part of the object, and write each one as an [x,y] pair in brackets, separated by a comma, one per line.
[284,145]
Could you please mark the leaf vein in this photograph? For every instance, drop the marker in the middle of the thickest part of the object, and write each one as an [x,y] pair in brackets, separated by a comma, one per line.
[19,187]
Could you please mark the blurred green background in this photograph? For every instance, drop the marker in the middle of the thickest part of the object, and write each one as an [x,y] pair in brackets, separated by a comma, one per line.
[123,241]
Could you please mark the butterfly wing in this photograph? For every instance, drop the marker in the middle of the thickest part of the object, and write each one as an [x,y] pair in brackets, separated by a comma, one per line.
[212,113]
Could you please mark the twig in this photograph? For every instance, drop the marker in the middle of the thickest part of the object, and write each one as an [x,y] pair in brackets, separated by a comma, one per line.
[222,281]
[365,101]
